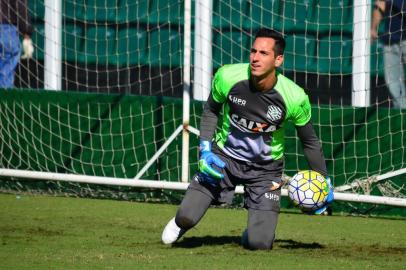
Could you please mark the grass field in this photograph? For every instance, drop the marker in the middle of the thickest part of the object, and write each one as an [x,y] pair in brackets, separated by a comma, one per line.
[40,232]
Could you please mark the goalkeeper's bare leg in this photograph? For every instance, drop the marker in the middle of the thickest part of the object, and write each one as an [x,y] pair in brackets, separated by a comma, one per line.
[193,207]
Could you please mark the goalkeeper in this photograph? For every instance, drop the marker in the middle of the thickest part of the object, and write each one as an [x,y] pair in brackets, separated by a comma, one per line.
[13,19]
[247,150]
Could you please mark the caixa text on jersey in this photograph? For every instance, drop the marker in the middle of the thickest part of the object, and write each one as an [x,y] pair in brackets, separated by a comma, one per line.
[252,126]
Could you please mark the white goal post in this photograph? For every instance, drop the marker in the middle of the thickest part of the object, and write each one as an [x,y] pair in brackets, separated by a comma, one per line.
[339,196]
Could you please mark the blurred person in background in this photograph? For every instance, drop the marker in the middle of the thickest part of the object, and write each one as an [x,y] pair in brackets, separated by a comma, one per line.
[392,13]
[14,20]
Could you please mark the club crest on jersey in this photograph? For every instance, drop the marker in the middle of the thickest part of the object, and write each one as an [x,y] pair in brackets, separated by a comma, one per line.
[274,113]
[252,126]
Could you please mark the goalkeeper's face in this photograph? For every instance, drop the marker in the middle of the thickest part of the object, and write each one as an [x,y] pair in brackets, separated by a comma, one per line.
[262,57]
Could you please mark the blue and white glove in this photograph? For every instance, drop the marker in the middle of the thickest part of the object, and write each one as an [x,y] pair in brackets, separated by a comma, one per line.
[330,198]
[207,159]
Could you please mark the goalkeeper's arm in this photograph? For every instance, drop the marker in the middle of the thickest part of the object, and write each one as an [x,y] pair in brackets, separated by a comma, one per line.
[312,148]
[314,154]
[208,123]
[208,126]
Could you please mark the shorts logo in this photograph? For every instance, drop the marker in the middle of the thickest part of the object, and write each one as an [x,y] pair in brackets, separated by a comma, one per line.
[272,197]
[274,113]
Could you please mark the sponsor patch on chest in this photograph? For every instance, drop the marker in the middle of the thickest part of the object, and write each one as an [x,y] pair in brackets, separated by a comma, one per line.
[252,126]
[274,113]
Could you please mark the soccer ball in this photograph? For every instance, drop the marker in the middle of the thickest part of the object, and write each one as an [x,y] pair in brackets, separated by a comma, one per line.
[308,190]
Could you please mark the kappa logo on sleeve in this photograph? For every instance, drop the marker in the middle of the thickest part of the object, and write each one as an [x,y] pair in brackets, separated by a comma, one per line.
[274,113]
[237,100]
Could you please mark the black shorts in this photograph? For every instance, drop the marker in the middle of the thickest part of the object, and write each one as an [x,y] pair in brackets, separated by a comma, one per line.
[258,181]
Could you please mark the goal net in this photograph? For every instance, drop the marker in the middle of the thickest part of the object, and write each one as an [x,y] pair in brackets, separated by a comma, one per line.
[118,111]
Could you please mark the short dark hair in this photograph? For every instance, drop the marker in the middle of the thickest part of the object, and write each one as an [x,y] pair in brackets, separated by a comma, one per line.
[280,43]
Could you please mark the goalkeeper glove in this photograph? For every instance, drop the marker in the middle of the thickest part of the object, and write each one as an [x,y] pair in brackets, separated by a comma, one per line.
[207,159]
[28,48]
[330,198]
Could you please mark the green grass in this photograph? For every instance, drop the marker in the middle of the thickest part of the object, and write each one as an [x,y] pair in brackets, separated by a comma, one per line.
[40,232]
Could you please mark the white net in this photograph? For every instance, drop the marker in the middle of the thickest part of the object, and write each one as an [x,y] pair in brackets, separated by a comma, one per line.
[68,134]
[131,47]
[135,48]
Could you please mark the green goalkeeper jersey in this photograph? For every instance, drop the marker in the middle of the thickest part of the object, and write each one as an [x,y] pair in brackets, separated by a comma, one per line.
[252,128]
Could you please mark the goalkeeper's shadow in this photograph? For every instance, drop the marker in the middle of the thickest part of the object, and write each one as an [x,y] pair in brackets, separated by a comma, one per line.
[292,244]
[194,242]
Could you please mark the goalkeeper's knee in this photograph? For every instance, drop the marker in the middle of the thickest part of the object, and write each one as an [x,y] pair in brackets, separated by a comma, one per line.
[256,241]
[185,220]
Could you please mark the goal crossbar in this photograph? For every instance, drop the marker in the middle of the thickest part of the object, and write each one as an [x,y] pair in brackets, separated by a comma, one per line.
[339,196]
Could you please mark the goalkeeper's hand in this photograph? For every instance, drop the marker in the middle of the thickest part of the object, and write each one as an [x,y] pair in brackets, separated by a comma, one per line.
[330,198]
[28,48]
[207,159]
